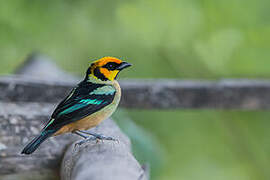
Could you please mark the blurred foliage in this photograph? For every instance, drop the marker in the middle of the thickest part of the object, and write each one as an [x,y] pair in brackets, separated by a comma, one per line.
[163,39]
[210,144]
[173,38]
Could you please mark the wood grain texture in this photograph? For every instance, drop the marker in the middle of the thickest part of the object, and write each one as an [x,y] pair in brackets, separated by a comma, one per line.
[20,123]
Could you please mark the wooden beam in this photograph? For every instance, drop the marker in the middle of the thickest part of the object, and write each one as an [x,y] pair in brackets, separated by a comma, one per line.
[196,94]
[151,94]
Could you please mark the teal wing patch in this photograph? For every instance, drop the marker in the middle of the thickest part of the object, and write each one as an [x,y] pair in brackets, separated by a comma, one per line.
[72,108]
[81,104]
[105,90]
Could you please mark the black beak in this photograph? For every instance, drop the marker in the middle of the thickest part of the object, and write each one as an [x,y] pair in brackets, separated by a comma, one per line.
[123,65]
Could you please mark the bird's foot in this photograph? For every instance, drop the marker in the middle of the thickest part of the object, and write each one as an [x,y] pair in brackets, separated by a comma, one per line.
[85,140]
[93,137]
[98,136]
[97,139]
[101,137]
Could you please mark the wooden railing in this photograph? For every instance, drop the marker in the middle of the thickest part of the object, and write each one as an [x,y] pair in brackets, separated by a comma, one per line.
[151,94]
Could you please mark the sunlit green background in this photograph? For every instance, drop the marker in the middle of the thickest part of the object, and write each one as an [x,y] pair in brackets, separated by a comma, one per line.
[162,39]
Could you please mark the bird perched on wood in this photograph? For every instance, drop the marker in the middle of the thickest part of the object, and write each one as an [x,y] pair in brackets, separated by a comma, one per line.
[90,102]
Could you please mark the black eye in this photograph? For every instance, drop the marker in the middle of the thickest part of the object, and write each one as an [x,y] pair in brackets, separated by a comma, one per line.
[111,66]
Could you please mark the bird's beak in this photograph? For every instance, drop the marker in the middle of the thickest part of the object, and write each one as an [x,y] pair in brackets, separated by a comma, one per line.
[123,65]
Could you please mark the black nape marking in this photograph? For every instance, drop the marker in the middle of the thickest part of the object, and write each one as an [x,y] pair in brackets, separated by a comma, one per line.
[88,72]
[111,66]
[99,75]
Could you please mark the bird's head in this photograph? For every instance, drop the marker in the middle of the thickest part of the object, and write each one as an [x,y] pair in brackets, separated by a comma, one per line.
[106,68]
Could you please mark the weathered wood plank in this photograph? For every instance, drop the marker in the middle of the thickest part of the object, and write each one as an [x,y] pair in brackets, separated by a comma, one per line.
[19,124]
[151,94]
[172,94]
[26,89]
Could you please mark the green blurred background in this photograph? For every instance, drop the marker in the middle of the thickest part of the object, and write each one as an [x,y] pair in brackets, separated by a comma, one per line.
[163,39]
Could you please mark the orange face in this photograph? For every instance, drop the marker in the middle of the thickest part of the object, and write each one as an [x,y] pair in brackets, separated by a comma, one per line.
[107,68]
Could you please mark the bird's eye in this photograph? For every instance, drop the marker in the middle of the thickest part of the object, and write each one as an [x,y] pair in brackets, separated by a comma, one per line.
[111,66]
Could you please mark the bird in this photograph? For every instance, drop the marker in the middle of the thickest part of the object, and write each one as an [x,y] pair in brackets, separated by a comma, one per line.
[91,101]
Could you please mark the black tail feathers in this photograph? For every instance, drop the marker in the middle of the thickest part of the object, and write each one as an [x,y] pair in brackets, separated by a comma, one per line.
[34,144]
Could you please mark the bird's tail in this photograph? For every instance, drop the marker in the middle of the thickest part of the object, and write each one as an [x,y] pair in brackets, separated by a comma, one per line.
[34,144]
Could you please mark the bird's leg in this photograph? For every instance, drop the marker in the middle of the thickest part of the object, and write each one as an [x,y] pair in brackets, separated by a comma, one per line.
[80,134]
[86,138]
[97,136]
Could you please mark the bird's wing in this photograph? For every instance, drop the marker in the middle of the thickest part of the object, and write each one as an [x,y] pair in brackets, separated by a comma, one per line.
[82,101]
